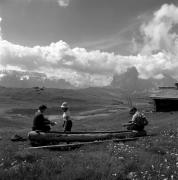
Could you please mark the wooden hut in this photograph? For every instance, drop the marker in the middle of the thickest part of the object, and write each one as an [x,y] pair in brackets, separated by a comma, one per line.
[166,99]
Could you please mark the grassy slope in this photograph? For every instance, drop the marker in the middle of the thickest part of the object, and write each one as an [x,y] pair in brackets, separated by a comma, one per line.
[154,157]
[83,99]
[17,105]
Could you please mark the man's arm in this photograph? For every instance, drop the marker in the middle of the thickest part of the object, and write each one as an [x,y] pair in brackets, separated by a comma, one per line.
[47,121]
[126,124]
[132,121]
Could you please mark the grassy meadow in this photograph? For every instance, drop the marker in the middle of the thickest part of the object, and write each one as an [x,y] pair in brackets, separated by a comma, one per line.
[154,157]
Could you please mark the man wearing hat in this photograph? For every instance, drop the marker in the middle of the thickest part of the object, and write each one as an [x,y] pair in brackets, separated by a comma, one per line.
[66,117]
[40,123]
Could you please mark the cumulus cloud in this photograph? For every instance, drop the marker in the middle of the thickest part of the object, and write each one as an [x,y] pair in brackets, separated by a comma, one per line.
[158,33]
[75,65]
[63,3]
[0,29]
[95,68]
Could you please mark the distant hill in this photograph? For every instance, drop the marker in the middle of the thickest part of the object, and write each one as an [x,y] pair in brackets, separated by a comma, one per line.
[19,79]
[130,81]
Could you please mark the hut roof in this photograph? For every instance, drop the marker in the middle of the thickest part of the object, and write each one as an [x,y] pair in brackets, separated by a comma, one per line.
[165,94]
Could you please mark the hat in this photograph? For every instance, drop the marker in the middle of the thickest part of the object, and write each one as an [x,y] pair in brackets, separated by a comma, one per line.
[64,105]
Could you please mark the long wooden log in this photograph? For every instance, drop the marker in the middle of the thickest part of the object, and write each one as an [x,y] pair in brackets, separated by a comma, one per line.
[49,137]
[87,132]
[77,145]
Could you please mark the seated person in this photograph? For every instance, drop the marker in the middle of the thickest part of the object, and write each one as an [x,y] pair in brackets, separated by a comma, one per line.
[138,121]
[40,123]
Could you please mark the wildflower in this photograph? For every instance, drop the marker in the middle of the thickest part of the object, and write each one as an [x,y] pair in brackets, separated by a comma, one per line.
[13,163]
[131,175]
[121,158]
[114,174]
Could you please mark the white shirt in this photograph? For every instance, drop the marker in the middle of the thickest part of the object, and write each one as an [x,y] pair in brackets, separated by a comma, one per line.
[66,115]
[137,114]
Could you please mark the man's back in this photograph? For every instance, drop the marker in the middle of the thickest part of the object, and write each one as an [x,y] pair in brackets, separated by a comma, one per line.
[40,123]
[139,119]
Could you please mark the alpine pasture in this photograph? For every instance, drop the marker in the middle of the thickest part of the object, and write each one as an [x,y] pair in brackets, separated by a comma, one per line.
[152,157]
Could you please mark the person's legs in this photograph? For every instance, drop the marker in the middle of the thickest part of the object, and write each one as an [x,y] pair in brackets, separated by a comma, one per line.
[46,128]
[135,127]
[131,127]
[68,126]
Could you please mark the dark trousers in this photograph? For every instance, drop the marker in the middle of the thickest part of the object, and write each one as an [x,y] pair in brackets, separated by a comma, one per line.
[46,128]
[135,127]
[67,126]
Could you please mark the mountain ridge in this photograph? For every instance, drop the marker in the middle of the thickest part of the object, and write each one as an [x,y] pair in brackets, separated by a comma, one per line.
[20,79]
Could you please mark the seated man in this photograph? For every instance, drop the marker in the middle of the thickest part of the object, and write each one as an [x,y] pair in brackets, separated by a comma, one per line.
[40,123]
[138,121]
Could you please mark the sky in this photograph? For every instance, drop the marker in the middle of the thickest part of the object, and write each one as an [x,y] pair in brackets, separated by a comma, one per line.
[87,41]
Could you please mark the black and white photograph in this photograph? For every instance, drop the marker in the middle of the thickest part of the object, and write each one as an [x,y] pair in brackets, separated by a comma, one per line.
[88,90]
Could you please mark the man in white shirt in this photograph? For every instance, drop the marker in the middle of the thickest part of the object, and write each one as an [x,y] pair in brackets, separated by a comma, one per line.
[138,121]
